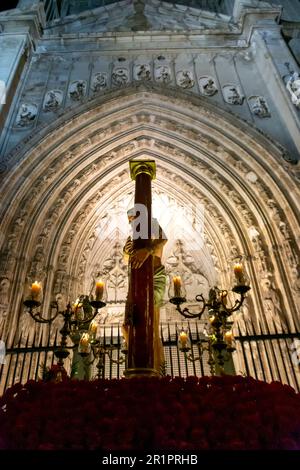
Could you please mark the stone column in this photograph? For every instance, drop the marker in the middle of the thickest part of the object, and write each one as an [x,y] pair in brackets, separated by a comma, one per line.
[141,329]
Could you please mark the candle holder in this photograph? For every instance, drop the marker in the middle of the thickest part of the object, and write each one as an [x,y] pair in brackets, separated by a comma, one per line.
[183,340]
[220,340]
[76,318]
[99,349]
[177,293]
[219,350]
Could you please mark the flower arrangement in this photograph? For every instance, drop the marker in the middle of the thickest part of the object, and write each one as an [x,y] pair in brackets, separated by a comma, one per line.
[228,412]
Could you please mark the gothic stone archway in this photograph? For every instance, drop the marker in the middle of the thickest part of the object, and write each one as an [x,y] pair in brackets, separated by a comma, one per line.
[69,184]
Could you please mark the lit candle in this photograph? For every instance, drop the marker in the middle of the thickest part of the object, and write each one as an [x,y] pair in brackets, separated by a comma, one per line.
[228,337]
[84,343]
[99,290]
[93,328]
[223,297]
[177,286]
[78,310]
[183,338]
[238,270]
[76,305]
[36,289]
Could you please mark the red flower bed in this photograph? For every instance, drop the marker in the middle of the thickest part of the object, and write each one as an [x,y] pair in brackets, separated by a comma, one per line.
[229,412]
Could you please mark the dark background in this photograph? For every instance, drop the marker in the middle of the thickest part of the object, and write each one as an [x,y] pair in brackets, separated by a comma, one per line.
[8,4]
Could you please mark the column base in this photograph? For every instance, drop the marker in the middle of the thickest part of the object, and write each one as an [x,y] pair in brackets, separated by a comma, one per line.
[141,372]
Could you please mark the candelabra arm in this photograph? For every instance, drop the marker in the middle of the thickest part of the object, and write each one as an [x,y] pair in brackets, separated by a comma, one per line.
[109,353]
[185,311]
[191,358]
[237,305]
[32,304]
[87,320]
[202,348]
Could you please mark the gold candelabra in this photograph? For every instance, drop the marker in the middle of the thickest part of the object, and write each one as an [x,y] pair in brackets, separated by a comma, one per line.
[78,324]
[220,339]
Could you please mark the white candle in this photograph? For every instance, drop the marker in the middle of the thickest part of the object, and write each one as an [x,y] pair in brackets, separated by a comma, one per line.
[36,289]
[183,338]
[177,286]
[99,290]
[238,270]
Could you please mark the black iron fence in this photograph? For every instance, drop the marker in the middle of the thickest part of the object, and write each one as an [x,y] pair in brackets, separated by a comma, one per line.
[268,355]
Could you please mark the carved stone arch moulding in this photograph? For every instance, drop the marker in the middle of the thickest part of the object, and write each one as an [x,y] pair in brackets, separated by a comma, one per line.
[205,155]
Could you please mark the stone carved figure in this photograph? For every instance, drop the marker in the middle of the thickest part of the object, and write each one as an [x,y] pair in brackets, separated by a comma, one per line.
[208,86]
[272,305]
[289,246]
[274,211]
[258,106]
[260,252]
[245,320]
[120,76]
[99,82]
[53,100]
[38,262]
[185,79]
[61,301]
[26,328]
[162,74]
[232,94]
[142,72]
[4,290]
[26,115]
[77,90]
[60,282]
[293,87]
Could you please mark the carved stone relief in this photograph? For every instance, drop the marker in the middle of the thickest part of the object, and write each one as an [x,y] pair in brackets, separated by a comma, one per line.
[273,308]
[185,79]
[53,100]
[142,72]
[180,261]
[232,94]
[37,266]
[26,115]
[261,253]
[61,281]
[259,107]
[120,76]
[77,90]
[99,82]
[115,273]
[207,85]
[162,74]
[4,291]
[53,214]
[293,87]
[289,246]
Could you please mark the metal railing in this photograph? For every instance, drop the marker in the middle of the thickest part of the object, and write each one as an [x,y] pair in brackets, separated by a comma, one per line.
[263,353]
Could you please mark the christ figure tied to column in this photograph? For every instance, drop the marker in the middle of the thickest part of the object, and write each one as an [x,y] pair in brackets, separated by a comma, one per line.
[135,259]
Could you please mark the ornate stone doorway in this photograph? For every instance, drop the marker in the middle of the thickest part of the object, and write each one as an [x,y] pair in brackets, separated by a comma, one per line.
[221,189]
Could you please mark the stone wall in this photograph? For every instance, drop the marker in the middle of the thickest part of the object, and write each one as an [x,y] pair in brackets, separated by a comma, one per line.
[208,102]
[242,68]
